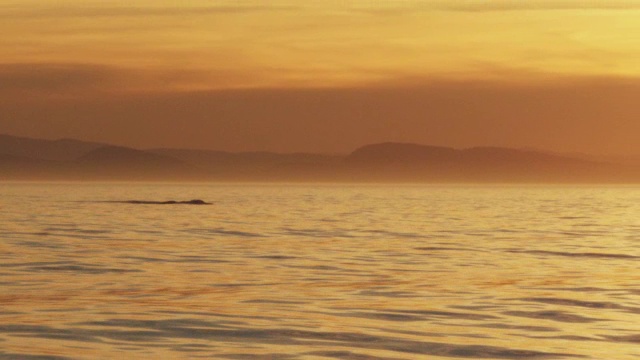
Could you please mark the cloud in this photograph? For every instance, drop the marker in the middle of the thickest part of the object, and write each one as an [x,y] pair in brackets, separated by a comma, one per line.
[588,114]
[78,11]
[55,77]
[512,5]
[399,7]
[406,7]
[18,80]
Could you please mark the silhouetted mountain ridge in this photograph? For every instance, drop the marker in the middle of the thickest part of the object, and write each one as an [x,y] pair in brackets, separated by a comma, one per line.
[118,161]
[117,155]
[405,162]
[60,150]
[248,164]
[389,152]
[414,162]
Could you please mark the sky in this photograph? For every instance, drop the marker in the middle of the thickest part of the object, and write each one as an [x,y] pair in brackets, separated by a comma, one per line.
[324,76]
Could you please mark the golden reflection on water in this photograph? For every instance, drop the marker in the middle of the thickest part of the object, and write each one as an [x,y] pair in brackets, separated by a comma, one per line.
[392,272]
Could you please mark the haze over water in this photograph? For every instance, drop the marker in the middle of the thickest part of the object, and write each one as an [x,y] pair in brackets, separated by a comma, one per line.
[319,272]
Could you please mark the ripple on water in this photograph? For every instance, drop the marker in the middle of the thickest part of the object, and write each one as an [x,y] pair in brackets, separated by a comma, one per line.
[296,272]
[634,339]
[23,356]
[67,266]
[165,332]
[583,304]
[222,231]
[577,255]
[560,316]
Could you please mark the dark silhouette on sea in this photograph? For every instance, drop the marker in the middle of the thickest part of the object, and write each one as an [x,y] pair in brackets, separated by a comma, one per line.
[34,159]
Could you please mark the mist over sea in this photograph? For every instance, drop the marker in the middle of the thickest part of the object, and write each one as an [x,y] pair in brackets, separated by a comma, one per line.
[282,271]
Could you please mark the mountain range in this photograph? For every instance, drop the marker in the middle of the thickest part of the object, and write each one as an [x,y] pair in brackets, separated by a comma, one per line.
[69,159]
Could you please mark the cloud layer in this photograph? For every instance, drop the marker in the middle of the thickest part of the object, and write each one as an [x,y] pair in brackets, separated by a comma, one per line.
[513,5]
[101,10]
[323,76]
[585,114]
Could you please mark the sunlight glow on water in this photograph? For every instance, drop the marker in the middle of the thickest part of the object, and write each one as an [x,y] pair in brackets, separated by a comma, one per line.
[319,272]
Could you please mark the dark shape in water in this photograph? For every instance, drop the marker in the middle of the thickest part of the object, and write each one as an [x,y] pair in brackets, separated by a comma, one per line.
[170,202]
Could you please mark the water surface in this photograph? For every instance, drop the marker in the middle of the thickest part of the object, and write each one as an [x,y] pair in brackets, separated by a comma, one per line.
[319,272]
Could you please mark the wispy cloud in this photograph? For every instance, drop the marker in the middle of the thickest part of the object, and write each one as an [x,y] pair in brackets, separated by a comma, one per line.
[133,10]
[84,10]
[54,77]
[62,79]
[408,6]
[512,5]
[18,80]
[402,7]
[568,114]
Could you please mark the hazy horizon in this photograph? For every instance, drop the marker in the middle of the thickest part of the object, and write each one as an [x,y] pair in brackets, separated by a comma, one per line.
[28,158]
[297,76]
[343,153]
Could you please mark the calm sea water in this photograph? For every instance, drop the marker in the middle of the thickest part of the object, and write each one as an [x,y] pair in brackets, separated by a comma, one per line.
[319,272]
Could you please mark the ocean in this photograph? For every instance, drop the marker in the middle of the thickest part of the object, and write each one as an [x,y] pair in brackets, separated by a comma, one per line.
[302,271]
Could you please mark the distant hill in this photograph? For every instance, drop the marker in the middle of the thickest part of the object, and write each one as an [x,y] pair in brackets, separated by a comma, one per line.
[8,161]
[414,153]
[26,158]
[118,155]
[243,165]
[23,158]
[400,153]
[413,162]
[59,150]
[22,167]
[117,161]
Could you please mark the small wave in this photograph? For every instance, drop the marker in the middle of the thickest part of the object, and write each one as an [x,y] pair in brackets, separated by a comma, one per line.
[449,314]
[577,303]
[347,355]
[415,315]
[583,289]
[564,337]
[244,284]
[635,339]
[390,294]
[82,269]
[387,233]
[316,233]
[560,316]
[66,267]
[267,301]
[377,315]
[163,332]
[518,327]
[14,356]
[275,257]
[182,259]
[445,248]
[272,356]
[221,231]
[50,230]
[40,244]
[576,255]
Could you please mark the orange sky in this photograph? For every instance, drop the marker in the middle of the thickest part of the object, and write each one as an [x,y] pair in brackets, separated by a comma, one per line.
[323,76]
